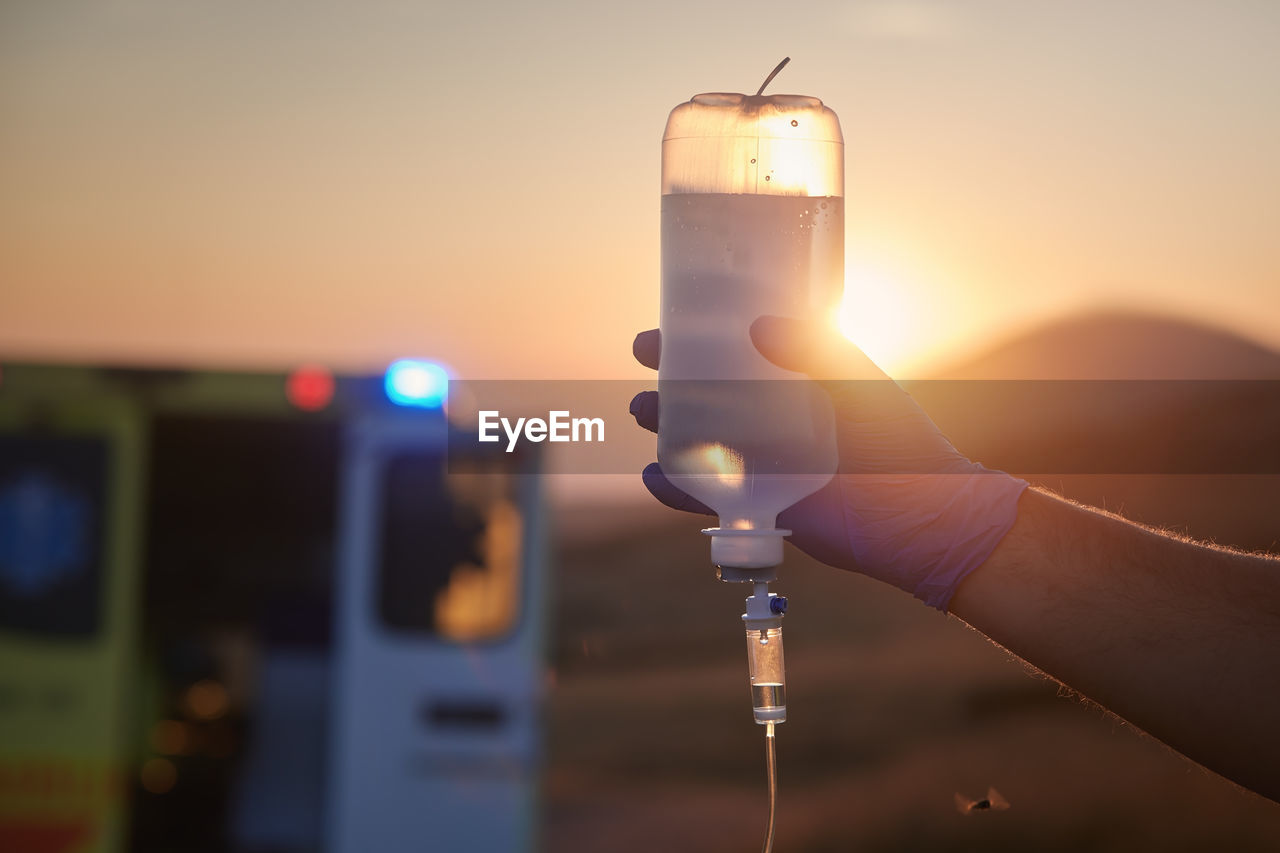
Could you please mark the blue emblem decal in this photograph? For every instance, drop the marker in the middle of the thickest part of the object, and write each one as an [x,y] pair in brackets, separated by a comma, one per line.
[44,534]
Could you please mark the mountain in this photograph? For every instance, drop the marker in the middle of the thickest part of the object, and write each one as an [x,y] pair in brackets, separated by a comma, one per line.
[1192,402]
[1116,345]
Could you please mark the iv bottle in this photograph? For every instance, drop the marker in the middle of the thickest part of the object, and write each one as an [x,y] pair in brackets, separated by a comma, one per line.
[752,224]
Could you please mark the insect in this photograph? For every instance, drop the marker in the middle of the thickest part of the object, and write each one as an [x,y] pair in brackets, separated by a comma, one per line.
[991,802]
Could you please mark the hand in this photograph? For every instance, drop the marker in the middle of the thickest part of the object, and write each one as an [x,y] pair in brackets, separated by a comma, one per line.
[904,507]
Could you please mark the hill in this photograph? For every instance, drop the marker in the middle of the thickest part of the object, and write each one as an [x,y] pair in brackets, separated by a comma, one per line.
[1118,345]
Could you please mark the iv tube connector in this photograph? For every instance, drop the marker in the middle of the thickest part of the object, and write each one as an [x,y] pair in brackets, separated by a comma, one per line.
[763,621]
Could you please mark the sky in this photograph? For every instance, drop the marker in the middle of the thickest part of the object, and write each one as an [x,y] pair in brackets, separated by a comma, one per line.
[249,184]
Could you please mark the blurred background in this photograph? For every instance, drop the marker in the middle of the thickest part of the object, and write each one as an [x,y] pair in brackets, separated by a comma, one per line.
[228,621]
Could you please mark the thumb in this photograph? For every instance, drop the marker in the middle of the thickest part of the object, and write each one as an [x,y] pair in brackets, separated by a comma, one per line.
[813,347]
[858,389]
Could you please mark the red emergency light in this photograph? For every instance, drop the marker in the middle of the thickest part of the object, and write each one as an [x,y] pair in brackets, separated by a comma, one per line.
[310,388]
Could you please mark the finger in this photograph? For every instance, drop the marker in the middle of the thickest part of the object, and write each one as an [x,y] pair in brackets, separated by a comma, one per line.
[644,407]
[811,347]
[647,347]
[662,489]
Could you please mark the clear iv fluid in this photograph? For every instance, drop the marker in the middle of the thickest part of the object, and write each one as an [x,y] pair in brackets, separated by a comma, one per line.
[768,696]
[751,447]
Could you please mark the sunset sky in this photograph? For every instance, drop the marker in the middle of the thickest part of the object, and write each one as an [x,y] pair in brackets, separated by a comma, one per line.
[257,184]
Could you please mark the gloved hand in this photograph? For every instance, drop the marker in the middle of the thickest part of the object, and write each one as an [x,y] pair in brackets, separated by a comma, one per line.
[905,507]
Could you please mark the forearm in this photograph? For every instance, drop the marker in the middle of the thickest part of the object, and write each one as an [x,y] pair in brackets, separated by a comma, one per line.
[1179,639]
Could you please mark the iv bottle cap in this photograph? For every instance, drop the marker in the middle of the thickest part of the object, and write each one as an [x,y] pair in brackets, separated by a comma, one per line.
[746,549]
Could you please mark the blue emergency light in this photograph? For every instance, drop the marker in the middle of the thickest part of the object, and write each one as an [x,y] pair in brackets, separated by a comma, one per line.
[411,382]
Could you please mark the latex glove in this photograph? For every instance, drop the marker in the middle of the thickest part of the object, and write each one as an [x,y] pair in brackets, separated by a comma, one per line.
[905,506]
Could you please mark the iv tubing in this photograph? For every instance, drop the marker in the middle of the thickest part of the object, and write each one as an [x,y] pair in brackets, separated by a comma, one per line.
[772,74]
[771,760]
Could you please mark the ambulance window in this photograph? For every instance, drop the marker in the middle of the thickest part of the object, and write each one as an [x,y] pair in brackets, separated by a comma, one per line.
[450,550]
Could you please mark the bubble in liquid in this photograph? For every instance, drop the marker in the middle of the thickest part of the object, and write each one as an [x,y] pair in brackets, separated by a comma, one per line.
[753,159]
[824,204]
[766,177]
[795,123]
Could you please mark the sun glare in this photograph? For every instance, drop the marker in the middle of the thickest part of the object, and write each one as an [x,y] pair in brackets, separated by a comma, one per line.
[876,316]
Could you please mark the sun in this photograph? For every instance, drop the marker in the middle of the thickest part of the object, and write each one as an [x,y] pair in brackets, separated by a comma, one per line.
[877,315]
